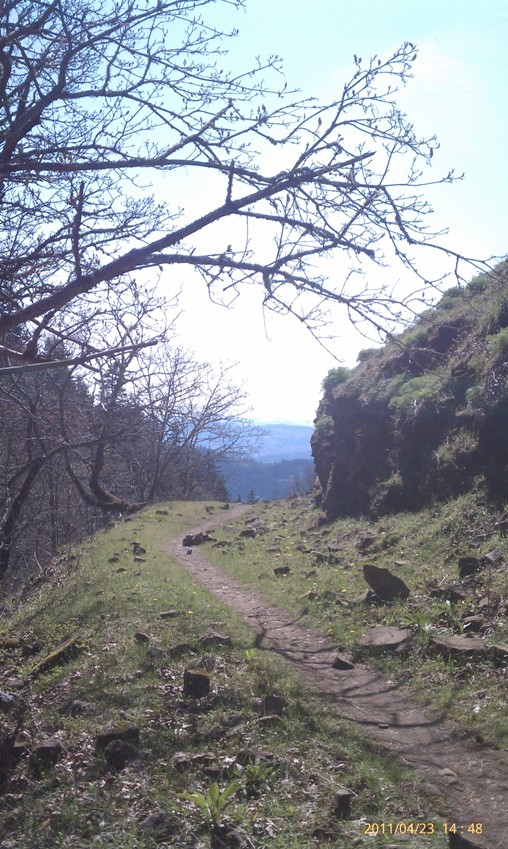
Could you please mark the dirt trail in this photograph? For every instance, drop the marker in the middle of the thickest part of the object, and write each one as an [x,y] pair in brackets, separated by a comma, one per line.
[472,780]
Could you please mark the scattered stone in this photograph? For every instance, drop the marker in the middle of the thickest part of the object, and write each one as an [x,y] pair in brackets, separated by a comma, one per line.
[30,649]
[341,601]
[386,636]
[213,638]
[495,556]
[204,758]
[74,707]
[385,585]
[161,826]
[365,543]
[458,841]
[469,566]
[254,756]
[127,732]
[141,637]
[281,570]
[196,683]
[461,644]
[179,649]
[224,507]
[46,754]
[119,753]
[449,775]
[13,756]
[454,593]
[196,539]
[7,702]
[154,652]
[227,837]
[342,662]
[499,653]
[368,597]
[181,761]
[473,623]
[162,512]
[14,683]
[273,705]
[114,559]
[274,549]
[248,533]
[121,569]
[169,614]
[138,559]
[342,804]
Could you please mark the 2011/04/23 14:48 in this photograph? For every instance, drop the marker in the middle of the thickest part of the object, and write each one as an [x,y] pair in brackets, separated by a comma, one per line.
[374,828]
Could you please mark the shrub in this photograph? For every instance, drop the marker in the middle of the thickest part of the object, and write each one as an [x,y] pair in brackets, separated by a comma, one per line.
[335,377]
[415,391]
[365,354]
[499,343]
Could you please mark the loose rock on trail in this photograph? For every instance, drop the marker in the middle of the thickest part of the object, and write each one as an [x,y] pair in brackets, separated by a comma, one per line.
[472,780]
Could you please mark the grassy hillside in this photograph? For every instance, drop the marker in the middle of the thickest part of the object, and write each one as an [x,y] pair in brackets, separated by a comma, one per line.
[326,584]
[124,668]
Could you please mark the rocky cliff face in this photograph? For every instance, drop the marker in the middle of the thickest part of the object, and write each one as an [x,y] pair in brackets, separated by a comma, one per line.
[425,417]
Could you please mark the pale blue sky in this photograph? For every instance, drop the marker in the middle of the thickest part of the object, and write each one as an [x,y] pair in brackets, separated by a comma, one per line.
[458,93]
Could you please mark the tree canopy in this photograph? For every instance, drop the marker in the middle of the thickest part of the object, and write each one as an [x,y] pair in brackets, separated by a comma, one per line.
[99,102]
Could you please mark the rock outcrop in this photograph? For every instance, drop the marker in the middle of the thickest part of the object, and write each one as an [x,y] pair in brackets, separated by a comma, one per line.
[426,416]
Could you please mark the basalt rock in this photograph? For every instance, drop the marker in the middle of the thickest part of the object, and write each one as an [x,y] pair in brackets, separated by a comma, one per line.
[196,683]
[196,539]
[386,636]
[385,585]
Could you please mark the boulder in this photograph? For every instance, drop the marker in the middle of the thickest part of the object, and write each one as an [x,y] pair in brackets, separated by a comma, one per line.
[119,753]
[386,636]
[273,705]
[46,754]
[127,732]
[385,585]
[342,662]
[460,644]
[196,683]
[196,539]
[213,638]
[281,570]
[469,566]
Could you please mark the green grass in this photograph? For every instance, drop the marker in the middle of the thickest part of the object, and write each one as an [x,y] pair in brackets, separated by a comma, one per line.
[186,745]
[423,549]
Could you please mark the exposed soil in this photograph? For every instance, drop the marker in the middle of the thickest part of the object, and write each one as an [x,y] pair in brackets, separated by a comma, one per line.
[470,779]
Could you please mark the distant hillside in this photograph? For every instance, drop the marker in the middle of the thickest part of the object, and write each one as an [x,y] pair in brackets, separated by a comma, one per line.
[426,417]
[282,466]
[267,481]
[284,442]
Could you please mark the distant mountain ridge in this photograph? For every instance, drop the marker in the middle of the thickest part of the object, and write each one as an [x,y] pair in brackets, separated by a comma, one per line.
[282,465]
[284,442]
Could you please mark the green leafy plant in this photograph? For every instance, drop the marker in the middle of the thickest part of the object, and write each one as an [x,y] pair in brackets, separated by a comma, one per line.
[336,376]
[213,803]
[255,778]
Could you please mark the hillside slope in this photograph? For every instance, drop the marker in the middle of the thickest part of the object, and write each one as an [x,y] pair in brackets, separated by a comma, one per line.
[425,417]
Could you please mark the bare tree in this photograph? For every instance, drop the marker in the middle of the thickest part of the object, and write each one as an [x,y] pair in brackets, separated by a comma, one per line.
[98,101]
[193,415]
